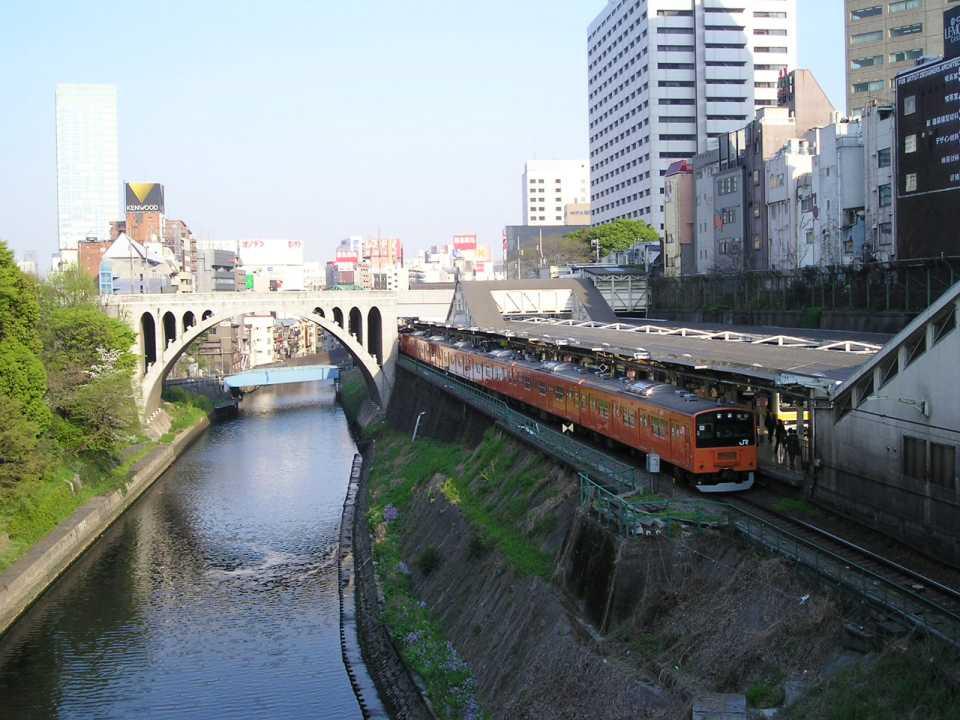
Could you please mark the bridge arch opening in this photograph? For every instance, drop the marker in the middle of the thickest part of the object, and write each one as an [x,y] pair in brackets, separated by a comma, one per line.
[338,316]
[148,340]
[169,328]
[375,334]
[320,312]
[356,324]
[189,320]
[156,372]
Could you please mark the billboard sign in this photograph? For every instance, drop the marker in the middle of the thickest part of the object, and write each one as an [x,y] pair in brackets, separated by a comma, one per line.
[465,242]
[951,34]
[271,252]
[144,197]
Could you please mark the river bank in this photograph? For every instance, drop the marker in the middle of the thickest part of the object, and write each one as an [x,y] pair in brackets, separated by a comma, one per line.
[495,586]
[40,566]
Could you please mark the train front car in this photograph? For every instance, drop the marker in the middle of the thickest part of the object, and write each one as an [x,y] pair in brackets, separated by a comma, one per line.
[725,454]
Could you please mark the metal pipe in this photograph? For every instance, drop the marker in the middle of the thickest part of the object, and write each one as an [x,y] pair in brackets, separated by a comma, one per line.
[416,427]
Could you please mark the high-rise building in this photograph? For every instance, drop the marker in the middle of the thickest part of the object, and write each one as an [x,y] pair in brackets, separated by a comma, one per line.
[666,76]
[88,165]
[884,38]
[549,186]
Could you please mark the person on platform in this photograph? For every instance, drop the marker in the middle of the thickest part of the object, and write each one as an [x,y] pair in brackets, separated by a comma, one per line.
[770,422]
[780,439]
[793,448]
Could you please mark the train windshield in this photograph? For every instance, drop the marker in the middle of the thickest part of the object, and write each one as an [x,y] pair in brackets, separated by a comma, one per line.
[725,429]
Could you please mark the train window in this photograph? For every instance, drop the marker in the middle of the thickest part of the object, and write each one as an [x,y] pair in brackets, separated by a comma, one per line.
[604,409]
[725,429]
[558,394]
[629,418]
[542,388]
[658,427]
[527,383]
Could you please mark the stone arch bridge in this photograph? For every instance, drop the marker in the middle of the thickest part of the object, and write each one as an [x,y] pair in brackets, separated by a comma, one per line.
[365,324]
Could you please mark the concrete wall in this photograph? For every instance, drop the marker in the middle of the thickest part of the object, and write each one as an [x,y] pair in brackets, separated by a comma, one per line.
[27,579]
[863,453]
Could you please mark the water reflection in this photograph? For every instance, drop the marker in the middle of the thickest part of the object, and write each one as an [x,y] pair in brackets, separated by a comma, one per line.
[215,596]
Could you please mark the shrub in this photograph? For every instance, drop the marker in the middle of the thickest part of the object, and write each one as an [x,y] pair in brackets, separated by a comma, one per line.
[429,560]
[479,546]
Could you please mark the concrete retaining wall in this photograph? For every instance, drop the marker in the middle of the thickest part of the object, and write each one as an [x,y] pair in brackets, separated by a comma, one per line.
[28,578]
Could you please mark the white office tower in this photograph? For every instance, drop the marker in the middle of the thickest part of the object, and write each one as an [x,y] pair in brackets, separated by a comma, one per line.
[549,186]
[666,76]
[88,165]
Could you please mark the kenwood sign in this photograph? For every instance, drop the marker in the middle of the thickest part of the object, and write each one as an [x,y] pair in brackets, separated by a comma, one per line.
[144,197]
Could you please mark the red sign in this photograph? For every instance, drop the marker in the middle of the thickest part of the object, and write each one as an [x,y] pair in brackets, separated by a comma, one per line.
[465,242]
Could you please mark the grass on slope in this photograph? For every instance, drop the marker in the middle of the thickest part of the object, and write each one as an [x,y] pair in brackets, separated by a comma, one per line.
[31,510]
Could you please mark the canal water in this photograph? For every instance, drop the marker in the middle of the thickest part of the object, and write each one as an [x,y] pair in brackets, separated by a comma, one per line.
[215,596]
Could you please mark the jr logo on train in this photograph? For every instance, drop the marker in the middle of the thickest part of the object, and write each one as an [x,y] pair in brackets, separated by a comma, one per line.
[711,446]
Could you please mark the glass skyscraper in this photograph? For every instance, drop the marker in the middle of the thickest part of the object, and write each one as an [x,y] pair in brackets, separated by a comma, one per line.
[88,165]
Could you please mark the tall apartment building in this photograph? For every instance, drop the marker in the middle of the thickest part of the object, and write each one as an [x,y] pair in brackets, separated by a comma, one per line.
[88,165]
[884,38]
[550,186]
[666,76]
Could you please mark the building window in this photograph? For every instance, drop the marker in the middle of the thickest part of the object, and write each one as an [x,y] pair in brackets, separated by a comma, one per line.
[867,38]
[865,62]
[883,157]
[904,5]
[870,86]
[910,144]
[886,233]
[756,242]
[914,457]
[909,104]
[906,30]
[943,464]
[904,55]
[911,182]
[867,12]
[885,195]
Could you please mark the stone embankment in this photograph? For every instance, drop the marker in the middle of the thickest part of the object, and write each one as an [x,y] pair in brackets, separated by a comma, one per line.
[27,579]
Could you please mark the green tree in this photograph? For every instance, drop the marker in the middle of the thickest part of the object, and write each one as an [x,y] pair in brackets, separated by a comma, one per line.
[103,410]
[90,365]
[19,303]
[24,379]
[19,440]
[81,342]
[71,287]
[618,236]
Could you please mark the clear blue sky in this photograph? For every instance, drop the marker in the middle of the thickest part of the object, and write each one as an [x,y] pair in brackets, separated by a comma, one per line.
[316,120]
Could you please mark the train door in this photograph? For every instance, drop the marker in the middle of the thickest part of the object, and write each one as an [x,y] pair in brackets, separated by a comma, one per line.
[574,400]
[680,444]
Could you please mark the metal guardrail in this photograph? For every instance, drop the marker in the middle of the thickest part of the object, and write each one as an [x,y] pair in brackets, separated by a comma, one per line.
[572,452]
[642,515]
[632,513]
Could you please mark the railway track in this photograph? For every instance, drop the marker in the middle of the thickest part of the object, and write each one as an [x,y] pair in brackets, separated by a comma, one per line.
[915,598]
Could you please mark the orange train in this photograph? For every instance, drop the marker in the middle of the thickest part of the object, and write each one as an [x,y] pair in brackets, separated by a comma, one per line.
[711,445]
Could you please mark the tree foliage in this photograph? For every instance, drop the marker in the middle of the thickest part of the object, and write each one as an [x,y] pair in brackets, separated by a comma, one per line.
[23,378]
[81,342]
[19,440]
[618,236]
[90,368]
[19,303]
[70,287]
[104,412]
